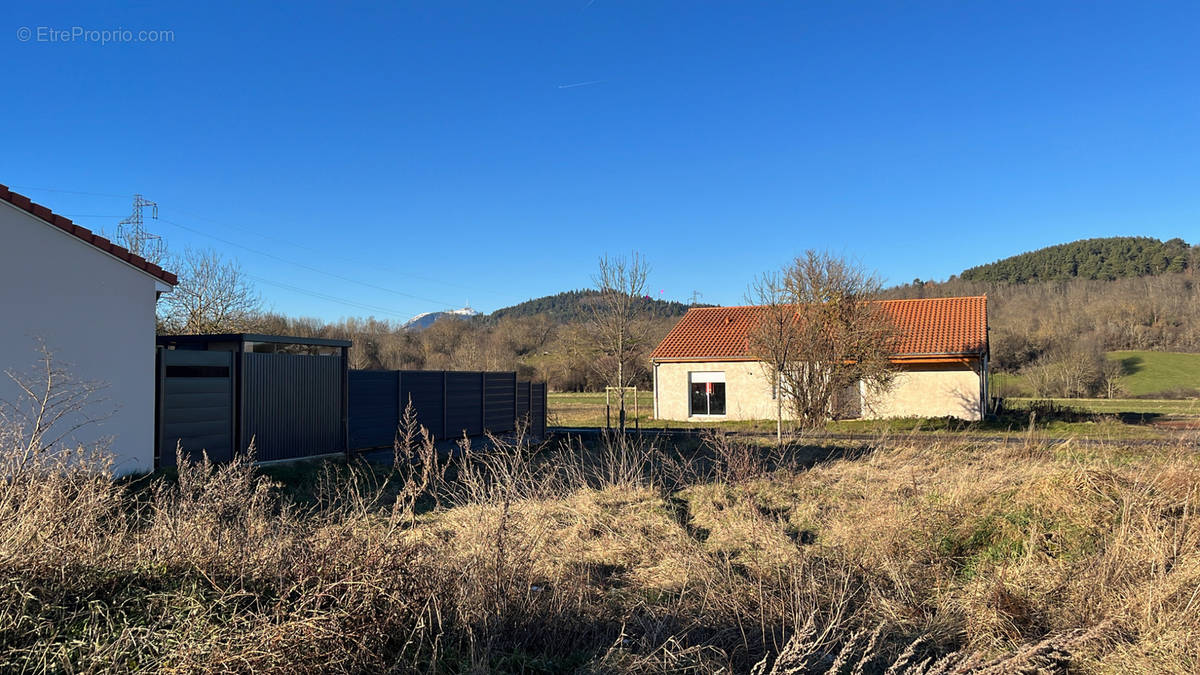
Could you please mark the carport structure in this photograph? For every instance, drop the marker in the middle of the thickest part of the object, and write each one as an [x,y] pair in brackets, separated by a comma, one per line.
[296,397]
[217,393]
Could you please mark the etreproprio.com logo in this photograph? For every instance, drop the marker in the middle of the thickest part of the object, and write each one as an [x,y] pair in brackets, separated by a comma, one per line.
[100,36]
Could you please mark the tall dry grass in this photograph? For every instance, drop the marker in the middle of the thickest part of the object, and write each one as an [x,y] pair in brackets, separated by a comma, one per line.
[624,556]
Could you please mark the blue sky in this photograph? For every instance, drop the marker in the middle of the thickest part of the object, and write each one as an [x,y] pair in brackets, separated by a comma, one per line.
[407,156]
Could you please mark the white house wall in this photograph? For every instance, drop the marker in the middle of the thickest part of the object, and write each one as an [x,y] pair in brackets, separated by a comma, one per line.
[747,391]
[928,391]
[917,391]
[96,314]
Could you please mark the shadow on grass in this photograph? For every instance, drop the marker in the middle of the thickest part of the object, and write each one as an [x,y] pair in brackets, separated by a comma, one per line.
[1132,364]
[1042,413]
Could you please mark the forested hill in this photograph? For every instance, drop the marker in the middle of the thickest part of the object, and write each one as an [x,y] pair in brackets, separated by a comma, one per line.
[1108,258]
[571,306]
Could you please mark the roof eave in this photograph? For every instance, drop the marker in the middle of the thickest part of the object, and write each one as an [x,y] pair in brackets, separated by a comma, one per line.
[65,225]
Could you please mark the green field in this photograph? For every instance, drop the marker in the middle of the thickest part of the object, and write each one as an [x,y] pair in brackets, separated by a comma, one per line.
[586,409]
[1147,373]
[1133,406]
[1105,418]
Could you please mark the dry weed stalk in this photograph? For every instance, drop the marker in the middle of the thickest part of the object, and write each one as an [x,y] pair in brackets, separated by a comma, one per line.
[415,458]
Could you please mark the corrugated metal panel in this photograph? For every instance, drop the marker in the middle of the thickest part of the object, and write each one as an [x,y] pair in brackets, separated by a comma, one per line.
[424,389]
[464,394]
[537,409]
[499,398]
[292,404]
[195,408]
[523,400]
[374,400]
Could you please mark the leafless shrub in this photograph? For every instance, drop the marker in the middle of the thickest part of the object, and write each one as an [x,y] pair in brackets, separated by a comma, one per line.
[616,461]
[736,461]
[51,406]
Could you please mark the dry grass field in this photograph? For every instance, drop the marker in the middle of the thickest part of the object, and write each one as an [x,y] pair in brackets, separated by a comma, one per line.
[904,555]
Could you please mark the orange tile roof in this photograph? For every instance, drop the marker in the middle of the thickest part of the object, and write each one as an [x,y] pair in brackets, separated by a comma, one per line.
[928,327]
[120,252]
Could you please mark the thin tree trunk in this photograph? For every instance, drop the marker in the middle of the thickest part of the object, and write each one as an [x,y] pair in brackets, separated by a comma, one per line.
[778,412]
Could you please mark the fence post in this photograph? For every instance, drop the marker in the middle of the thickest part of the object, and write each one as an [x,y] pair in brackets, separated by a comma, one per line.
[444,423]
[482,401]
[400,405]
[346,401]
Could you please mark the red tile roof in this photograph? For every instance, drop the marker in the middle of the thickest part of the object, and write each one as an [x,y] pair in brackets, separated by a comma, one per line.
[22,202]
[928,327]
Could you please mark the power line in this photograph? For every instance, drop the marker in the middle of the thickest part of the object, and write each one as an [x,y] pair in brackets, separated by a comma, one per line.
[89,215]
[304,266]
[323,296]
[290,242]
[266,254]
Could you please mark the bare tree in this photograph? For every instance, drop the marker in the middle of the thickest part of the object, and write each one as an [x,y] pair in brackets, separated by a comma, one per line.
[773,338]
[842,337]
[51,405]
[213,296]
[1111,372]
[616,320]
[1072,370]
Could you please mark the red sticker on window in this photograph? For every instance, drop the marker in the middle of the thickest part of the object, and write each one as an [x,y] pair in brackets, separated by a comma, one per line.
[708,388]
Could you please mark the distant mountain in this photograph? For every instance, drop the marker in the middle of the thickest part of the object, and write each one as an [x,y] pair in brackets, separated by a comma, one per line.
[573,306]
[1107,258]
[423,321]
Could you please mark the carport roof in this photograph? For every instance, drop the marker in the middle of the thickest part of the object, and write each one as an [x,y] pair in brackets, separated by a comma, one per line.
[251,337]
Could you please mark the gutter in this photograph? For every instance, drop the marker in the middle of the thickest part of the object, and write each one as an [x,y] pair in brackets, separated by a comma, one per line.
[931,357]
[655,388]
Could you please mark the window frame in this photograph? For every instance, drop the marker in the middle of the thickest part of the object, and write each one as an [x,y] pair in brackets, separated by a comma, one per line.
[708,377]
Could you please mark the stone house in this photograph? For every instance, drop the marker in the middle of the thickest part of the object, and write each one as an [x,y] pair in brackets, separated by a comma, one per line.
[702,371]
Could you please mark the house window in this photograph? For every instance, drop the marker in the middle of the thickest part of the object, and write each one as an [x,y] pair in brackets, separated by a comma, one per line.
[707,393]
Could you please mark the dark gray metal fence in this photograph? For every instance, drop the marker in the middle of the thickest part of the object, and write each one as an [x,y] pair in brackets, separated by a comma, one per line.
[537,409]
[291,405]
[531,406]
[195,405]
[447,403]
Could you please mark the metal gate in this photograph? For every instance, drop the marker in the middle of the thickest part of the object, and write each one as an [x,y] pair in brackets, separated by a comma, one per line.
[292,405]
[196,405]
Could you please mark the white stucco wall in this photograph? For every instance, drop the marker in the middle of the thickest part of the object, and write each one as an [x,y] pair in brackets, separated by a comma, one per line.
[95,313]
[747,391]
[934,390]
[917,391]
